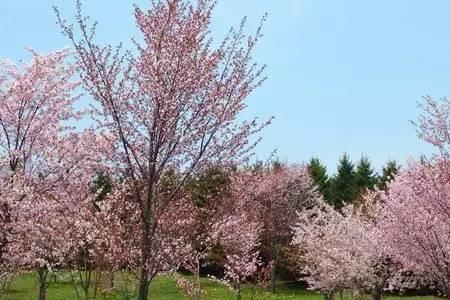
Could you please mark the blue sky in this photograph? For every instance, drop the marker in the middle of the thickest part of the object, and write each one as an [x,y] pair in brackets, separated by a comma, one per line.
[343,75]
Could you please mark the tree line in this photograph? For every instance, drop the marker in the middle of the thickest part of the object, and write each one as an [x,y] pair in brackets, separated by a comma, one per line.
[350,181]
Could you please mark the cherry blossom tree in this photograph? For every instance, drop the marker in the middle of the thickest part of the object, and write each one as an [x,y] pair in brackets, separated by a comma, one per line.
[415,220]
[237,227]
[54,205]
[433,123]
[35,104]
[46,194]
[171,107]
[342,250]
[284,191]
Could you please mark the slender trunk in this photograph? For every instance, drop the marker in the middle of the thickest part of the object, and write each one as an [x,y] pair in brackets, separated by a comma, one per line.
[328,296]
[238,290]
[97,280]
[272,278]
[356,294]
[376,295]
[144,281]
[85,275]
[111,279]
[143,285]
[42,273]
[74,283]
[199,287]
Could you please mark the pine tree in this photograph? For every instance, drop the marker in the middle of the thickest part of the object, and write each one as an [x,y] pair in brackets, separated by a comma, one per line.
[318,173]
[366,178]
[343,183]
[389,171]
[209,185]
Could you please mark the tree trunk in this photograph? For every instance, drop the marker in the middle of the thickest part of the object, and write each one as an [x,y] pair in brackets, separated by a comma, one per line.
[273,271]
[328,296]
[143,285]
[144,281]
[238,290]
[199,287]
[111,279]
[42,276]
[376,293]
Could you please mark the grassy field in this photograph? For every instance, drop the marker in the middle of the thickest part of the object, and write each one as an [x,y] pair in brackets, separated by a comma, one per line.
[163,288]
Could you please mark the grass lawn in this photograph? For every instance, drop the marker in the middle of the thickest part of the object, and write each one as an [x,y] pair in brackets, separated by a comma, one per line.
[163,288]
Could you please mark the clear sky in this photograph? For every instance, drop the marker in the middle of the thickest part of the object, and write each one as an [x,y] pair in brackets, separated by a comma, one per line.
[343,75]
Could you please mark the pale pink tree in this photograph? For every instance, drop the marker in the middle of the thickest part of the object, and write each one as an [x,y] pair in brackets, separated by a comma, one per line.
[236,227]
[416,220]
[284,190]
[36,103]
[342,250]
[433,123]
[173,106]
[51,206]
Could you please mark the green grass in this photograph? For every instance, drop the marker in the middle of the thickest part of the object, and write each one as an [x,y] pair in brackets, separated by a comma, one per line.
[25,287]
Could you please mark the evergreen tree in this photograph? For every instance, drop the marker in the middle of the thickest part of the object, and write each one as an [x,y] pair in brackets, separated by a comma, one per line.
[366,178]
[209,185]
[102,186]
[343,183]
[389,171]
[318,173]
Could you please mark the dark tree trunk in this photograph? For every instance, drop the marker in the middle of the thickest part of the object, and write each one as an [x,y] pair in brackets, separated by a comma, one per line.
[238,290]
[272,278]
[144,281]
[377,293]
[42,273]
[143,285]
[328,296]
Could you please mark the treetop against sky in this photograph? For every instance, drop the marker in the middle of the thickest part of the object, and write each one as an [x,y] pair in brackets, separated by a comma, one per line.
[343,76]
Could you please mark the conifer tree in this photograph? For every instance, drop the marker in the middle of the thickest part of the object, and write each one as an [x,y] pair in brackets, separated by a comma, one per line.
[366,178]
[318,173]
[343,183]
[388,172]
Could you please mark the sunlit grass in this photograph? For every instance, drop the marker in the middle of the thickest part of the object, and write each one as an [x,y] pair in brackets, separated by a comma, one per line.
[25,287]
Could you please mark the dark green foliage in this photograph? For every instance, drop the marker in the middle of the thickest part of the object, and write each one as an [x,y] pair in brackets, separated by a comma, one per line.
[209,185]
[389,171]
[102,186]
[318,173]
[424,160]
[343,184]
[206,190]
[170,181]
[366,178]
[278,165]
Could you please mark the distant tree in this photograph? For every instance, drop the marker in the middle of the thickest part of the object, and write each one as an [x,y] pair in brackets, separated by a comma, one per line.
[102,186]
[237,227]
[318,173]
[342,251]
[366,178]
[387,174]
[285,190]
[209,185]
[343,184]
